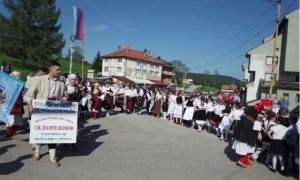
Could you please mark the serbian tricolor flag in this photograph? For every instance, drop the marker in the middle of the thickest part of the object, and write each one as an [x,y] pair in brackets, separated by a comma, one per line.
[78,23]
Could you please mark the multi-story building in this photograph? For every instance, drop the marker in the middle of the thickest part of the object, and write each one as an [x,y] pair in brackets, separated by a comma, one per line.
[138,66]
[257,72]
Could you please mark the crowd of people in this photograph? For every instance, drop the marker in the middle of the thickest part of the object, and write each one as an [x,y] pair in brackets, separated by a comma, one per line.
[264,132]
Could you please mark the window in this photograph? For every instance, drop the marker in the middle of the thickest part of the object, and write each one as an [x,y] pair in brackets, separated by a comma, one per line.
[119,69]
[286,94]
[137,72]
[297,97]
[151,73]
[144,72]
[119,60]
[152,65]
[156,74]
[138,63]
[269,60]
[268,76]
[105,69]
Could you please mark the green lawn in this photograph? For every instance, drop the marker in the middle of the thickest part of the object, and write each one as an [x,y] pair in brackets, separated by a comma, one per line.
[32,66]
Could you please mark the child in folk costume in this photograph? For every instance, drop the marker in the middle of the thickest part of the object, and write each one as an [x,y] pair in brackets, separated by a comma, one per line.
[277,134]
[178,109]
[200,115]
[210,109]
[189,112]
[246,134]
[16,115]
[157,104]
[171,107]
[96,100]
[225,124]
[134,97]
[140,99]
[165,105]
[148,101]
[219,107]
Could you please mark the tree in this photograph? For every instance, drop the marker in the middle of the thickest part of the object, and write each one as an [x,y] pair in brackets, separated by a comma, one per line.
[216,72]
[206,71]
[77,54]
[97,64]
[180,66]
[31,31]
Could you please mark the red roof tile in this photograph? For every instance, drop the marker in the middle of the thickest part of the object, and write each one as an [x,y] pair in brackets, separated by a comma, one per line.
[134,54]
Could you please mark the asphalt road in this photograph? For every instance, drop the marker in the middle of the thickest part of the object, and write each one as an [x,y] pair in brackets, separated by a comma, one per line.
[130,147]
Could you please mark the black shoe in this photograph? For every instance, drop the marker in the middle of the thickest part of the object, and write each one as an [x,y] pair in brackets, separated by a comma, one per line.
[272,170]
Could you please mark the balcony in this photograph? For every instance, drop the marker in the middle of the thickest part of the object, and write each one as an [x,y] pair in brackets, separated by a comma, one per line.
[169,73]
[281,85]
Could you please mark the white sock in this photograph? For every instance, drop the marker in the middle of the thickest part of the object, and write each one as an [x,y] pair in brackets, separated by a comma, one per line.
[52,154]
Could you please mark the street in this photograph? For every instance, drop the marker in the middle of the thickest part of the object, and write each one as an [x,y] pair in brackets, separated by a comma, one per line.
[130,147]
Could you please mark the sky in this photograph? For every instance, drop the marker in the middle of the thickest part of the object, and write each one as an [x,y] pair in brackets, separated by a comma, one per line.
[205,34]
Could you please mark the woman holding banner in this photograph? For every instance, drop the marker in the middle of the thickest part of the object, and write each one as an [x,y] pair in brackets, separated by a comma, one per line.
[16,116]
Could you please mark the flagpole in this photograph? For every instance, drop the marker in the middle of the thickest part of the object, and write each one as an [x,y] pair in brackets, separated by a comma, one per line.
[82,63]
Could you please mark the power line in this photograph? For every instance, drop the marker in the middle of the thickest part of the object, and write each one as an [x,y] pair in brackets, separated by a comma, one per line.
[252,37]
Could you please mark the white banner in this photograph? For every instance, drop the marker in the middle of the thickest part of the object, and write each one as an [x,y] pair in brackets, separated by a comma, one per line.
[53,122]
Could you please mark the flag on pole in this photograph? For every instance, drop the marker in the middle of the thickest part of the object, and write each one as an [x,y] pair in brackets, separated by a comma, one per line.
[78,23]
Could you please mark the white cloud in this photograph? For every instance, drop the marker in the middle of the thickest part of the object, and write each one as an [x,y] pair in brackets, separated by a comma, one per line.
[99,28]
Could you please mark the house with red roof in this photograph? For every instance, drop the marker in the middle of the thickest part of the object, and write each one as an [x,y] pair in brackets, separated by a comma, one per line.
[138,66]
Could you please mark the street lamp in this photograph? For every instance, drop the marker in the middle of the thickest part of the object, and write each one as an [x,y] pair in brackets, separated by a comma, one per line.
[72,38]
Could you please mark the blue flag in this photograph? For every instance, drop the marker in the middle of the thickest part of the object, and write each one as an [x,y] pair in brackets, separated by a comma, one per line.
[10,88]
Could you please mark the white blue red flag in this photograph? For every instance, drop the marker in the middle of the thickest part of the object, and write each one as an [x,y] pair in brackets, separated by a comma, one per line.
[78,23]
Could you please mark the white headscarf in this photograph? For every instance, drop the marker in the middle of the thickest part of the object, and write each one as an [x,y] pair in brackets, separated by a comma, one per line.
[70,76]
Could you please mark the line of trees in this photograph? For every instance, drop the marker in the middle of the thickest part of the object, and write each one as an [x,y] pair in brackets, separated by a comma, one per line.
[31,30]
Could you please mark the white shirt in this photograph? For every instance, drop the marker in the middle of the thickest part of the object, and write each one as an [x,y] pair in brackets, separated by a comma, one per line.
[121,91]
[149,95]
[236,114]
[157,97]
[134,93]
[53,87]
[218,109]
[210,107]
[172,99]
[141,93]
[128,92]
[279,132]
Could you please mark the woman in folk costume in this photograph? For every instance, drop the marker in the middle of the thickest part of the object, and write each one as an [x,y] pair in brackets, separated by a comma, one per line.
[235,115]
[157,103]
[246,135]
[200,115]
[128,94]
[120,97]
[189,111]
[83,102]
[225,124]
[134,97]
[178,108]
[109,100]
[16,115]
[165,105]
[96,100]
[219,107]
[72,93]
[171,107]
[210,111]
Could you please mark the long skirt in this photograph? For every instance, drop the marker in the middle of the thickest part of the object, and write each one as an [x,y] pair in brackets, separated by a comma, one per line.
[120,101]
[165,107]
[178,111]
[171,108]
[95,103]
[200,115]
[129,103]
[242,148]
[188,113]
[156,109]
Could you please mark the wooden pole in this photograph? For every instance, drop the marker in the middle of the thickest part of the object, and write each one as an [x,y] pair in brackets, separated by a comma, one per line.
[274,50]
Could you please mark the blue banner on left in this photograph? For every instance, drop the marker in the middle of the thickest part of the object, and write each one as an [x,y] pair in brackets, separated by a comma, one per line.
[10,88]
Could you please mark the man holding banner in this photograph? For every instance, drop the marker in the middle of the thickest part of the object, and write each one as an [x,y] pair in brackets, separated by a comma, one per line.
[47,87]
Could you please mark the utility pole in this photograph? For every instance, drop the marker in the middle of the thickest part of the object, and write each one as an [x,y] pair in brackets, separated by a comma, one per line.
[274,50]
[72,38]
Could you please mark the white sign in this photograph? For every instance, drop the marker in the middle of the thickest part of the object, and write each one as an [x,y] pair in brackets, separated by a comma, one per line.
[53,122]
[90,74]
